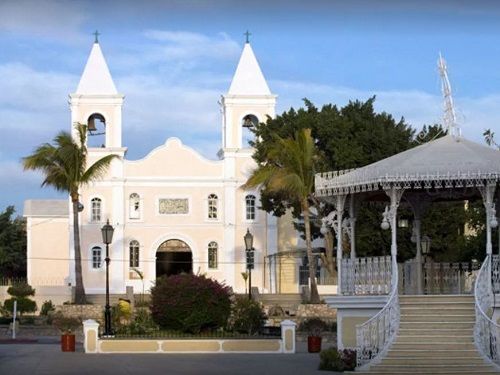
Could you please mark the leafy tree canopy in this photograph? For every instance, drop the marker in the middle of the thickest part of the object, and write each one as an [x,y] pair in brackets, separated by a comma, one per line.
[12,244]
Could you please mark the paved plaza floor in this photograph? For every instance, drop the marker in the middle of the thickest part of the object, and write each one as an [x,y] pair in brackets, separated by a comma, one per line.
[46,358]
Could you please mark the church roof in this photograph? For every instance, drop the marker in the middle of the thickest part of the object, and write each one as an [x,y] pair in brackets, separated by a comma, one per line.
[248,78]
[96,78]
[46,208]
[448,161]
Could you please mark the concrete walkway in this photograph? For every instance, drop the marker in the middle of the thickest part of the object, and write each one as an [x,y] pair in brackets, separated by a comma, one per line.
[35,359]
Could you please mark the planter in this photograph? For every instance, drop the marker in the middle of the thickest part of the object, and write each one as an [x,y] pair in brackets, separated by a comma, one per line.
[314,344]
[68,343]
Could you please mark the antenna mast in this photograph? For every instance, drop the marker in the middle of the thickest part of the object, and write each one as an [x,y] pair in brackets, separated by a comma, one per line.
[449,118]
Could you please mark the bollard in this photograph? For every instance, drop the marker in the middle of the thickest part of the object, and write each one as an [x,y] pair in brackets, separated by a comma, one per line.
[90,333]
[288,336]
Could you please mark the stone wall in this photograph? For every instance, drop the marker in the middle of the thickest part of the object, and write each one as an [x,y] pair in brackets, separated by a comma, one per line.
[83,312]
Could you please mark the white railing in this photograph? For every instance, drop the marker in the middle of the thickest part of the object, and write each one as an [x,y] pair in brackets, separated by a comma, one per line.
[371,275]
[374,336]
[486,331]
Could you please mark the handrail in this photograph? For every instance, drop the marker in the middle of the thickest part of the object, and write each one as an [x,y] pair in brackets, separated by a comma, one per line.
[486,331]
[374,336]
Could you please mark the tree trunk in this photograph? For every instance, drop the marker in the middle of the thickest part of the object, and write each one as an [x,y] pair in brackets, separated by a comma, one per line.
[314,296]
[328,260]
[79,288]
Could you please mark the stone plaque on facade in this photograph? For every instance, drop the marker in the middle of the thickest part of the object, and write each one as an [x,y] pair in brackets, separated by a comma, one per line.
[173,206]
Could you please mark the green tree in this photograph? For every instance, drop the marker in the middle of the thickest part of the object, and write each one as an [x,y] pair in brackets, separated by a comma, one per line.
[12,245]
[348,137]
[64,164]
[288,169]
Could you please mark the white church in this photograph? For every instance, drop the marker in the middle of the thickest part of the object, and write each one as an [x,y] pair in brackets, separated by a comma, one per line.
[173,210]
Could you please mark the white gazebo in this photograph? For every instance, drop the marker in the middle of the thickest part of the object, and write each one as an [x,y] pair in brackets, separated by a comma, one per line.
[448,168]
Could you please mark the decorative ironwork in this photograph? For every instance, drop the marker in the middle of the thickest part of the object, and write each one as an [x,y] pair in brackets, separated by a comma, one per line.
[486,331]
[374,336]
[370,275]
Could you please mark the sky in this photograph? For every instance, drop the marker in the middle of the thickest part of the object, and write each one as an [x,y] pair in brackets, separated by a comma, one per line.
[173,59]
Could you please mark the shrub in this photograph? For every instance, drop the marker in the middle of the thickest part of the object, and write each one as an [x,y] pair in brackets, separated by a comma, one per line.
[334,360]
[47,307]
[24,305]
[20,293]
[330,359]
[65,324]
[190,303]
[313,326]
[21,290]
[247,316]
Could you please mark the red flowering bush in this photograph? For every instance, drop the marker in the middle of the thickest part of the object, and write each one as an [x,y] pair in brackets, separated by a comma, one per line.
[190,303]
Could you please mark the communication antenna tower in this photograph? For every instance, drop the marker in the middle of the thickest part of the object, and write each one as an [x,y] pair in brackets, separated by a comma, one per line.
[449,118]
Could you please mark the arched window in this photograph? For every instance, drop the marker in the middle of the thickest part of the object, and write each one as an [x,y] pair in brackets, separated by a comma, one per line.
[134,206]
[250,207]
[96,257]
[96,127]
[134,254]
[212,206]
[212,255]
[247,124]
[96,208]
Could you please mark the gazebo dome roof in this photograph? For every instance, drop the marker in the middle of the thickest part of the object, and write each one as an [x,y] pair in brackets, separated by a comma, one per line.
[448,162]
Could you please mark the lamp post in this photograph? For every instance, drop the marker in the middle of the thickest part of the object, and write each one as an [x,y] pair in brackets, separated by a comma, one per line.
[107,237]
[249,250]
[425,242]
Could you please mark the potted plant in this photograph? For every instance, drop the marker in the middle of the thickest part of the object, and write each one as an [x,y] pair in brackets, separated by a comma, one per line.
[67,326]
[314,328]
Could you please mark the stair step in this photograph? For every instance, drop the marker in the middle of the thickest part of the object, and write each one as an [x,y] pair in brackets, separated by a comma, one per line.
[437,318]
[436,310]
[434,345]
[406,332]
[432,369]
[434,361]
[438,353]
[433,338]
[438,298]
[437,325]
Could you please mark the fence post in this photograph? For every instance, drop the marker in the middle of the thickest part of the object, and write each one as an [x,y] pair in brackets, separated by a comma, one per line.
[90,332]
[288,336]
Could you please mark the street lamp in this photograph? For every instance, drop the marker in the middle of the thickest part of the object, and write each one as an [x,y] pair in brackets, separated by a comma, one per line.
[107,237]
[425,244]
[249,250]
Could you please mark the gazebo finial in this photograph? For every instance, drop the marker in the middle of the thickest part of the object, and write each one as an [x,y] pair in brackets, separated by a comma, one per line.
[450,118]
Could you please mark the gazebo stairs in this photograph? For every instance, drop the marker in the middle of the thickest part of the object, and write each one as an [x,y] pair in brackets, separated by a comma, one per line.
[435,337]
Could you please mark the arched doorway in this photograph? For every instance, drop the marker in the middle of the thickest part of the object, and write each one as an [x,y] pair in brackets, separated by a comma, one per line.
[173,257]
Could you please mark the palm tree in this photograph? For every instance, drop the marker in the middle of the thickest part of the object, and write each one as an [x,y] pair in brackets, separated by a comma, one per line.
[64,164]
[289,170]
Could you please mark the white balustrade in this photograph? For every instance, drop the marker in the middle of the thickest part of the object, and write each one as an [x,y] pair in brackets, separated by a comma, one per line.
[371,275]
[375,335]
[486,331]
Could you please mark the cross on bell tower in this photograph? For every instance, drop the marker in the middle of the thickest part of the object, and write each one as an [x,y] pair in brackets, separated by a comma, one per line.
[247,36]
[96,34]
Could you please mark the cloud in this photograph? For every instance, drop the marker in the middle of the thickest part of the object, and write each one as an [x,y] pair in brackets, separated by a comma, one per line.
[55,19]
[417,107]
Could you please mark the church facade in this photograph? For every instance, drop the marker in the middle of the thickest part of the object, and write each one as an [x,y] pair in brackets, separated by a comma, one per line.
[174,210]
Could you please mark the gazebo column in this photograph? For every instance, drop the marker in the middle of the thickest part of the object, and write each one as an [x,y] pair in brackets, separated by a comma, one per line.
[339,210]
[419,205]
[487,193]
[390,216]
[352,226]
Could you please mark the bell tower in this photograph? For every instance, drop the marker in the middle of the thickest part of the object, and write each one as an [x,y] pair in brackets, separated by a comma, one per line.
[248,102]
[97,103]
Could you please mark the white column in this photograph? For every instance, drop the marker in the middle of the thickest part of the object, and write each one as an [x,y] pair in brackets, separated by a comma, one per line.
[352,226]
[339,206]
[487,193]
[418,258]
